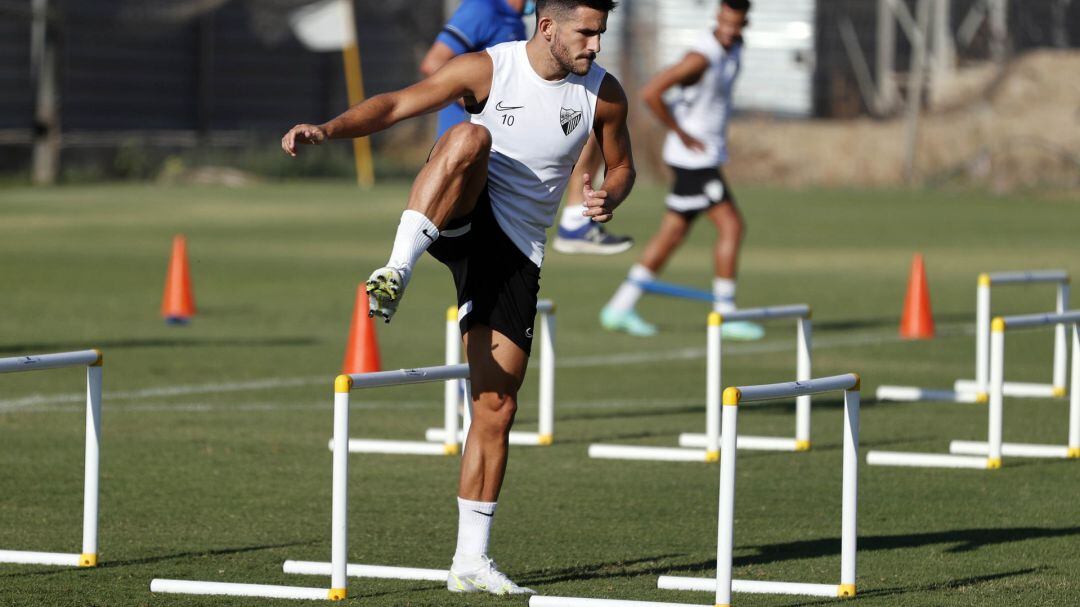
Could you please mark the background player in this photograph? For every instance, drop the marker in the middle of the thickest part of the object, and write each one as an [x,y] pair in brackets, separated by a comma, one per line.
[695,149]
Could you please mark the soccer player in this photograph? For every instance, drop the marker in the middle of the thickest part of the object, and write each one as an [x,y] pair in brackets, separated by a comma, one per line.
[695,149]
[481,205]
[477,25]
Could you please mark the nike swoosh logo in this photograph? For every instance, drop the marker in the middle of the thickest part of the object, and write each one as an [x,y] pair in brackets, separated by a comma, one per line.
[485,513]
[424,230]
[502,108]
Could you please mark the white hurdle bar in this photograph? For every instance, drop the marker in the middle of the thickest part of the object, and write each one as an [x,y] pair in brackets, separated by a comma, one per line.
[92,360]
[706,447]
[454,396]
[343,385]
[988,454]
[977,390]
[338,567]
[723,585]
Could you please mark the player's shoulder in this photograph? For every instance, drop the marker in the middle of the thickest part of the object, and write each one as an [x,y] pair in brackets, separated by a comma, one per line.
[706,44]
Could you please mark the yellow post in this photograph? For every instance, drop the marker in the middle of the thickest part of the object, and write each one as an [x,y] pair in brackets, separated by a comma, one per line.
[354,83]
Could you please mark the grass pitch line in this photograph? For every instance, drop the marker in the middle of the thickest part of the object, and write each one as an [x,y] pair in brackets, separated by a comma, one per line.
[576,362]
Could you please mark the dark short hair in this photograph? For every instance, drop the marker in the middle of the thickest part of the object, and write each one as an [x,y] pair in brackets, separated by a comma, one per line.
[565,6]
[742,6]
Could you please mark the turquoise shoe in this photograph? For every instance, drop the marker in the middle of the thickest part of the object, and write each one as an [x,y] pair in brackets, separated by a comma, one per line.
[627,321]
[741,330]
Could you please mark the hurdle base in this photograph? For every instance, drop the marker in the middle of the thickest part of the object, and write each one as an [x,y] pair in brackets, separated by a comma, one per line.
[525,439]
[673,582]
[397,447]
[1015,388]
[750,443]
[656,454]
[965,447]
[26,557]
[929,460]
[367,571]
[911,394]
[257,590]
[571,601]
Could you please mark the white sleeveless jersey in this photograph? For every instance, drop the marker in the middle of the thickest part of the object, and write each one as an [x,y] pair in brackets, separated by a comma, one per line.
[702,109]
[538,128]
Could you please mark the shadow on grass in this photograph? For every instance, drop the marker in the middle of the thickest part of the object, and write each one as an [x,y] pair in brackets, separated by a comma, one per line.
[108,564]
[946,585]
[962,540]
[157,342]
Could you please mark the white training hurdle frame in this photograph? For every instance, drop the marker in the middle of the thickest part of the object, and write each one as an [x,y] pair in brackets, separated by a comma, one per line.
[977,390]
[338,568]
[706,447]
[92,360]
[454,396]
[436,442]
[723,584]
[343,386]
[987,455]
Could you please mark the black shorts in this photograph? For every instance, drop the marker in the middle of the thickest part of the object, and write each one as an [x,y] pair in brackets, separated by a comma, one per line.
[695,190]
[497,285]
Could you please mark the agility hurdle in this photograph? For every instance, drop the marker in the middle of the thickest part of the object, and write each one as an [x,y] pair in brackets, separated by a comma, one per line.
[338,567]
[987,455]
[343,385]
[435,439]
[977,390]
[92,360]
[454,396]
[706,447]
[723,584]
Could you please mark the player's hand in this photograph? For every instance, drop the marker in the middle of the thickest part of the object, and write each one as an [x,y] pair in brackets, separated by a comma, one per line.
[302,133]
[690,142]
[597,206]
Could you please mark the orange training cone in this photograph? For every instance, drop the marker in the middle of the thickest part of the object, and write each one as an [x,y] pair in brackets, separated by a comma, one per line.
[178,302]
[918,320]
[362,351]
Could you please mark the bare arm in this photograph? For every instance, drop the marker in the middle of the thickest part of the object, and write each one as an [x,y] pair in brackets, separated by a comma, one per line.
[684,73]
[614,139]
[466,76]
[437,56]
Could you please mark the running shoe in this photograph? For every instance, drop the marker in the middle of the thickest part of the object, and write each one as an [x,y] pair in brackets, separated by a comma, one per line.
[627,321]
[385,288]
[486,577]
[590,239]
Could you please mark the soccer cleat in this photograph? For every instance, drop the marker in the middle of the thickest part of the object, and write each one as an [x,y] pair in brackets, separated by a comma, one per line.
[485,578]
[627,321]
[742,330]
[385,288]
[590,239]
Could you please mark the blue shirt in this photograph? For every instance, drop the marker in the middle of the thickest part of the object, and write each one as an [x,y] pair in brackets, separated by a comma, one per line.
[475,26]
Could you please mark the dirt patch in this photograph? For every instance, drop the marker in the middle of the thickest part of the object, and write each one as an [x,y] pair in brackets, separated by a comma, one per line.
[1002,129]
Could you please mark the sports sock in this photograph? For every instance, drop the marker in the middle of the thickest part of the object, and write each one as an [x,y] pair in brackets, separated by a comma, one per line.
[474,529]
[415,233]
[571,218]
[628,293]
[723,290]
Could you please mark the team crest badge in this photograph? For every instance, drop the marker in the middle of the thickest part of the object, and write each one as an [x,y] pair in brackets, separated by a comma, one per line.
[569,119]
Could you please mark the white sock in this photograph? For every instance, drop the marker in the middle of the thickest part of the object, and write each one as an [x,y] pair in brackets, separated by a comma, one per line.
[474,529]
[723,290]
[571,218]
[415,233]
[628,293]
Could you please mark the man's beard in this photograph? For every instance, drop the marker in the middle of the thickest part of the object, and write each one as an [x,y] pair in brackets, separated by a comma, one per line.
[565,60]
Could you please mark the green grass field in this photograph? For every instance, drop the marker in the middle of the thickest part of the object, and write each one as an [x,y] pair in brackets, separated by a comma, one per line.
[214,462]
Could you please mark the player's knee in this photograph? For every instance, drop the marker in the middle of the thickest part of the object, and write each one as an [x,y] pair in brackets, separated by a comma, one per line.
[467,143]
[496,409]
